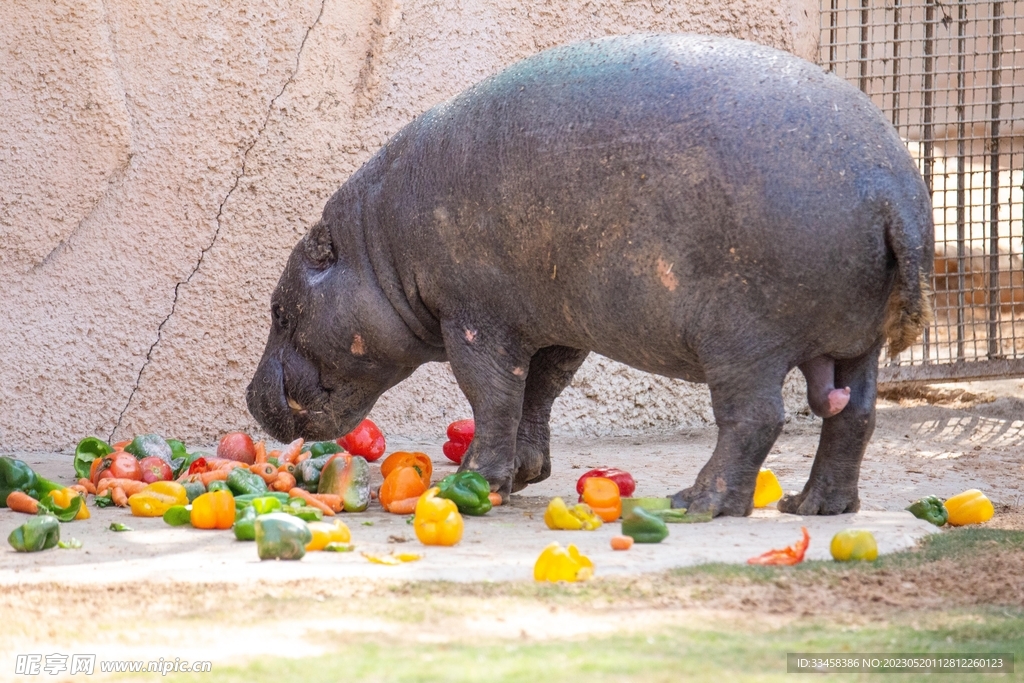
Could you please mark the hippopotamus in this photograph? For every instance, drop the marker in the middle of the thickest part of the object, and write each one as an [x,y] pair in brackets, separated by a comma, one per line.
[698,207]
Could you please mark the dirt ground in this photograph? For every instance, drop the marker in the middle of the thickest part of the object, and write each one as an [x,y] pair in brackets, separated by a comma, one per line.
[937,440]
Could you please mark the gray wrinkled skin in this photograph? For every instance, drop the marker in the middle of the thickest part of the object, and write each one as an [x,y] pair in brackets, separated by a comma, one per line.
[701,208]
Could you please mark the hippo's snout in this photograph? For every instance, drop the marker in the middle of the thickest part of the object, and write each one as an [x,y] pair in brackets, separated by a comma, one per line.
[268,401]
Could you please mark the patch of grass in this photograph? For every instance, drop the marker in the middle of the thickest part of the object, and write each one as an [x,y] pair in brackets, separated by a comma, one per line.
[673,654]
[952,543]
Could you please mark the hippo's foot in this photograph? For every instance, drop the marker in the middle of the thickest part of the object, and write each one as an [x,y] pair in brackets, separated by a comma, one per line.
[816,501]
[533,464]
[718,503]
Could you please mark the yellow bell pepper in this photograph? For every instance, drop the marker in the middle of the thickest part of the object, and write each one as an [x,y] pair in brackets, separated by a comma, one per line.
[767,490]
[213,510]
[854,544]
[437,520]
[562,564]
[63,498]
[969,507]
[580,516]
[328,532]
[155,499]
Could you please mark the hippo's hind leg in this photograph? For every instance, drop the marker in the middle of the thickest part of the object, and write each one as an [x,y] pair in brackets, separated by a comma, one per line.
[749,413]
[832,486]
[822,396]
[551,370]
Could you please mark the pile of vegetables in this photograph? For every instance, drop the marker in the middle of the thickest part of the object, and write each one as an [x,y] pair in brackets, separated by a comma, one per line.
[286,501]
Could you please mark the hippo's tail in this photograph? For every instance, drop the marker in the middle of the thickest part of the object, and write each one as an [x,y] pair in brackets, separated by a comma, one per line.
[910,234]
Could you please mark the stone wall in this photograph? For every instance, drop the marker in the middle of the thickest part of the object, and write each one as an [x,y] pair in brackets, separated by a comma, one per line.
[158,160]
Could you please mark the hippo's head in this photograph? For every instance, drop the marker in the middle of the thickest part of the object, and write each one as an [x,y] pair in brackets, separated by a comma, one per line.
[335,344]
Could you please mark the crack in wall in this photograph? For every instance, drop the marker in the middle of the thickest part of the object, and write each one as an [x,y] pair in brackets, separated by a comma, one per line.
[220,213]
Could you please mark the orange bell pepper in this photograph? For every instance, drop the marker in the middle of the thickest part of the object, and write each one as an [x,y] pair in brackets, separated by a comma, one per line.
[791,554]
[213,510]
[400,484]
[420,461]
[602,495]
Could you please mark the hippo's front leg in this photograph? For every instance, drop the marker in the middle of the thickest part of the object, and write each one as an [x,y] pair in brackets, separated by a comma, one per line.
[491,370]
[832,486]
[750,414]
[551,370]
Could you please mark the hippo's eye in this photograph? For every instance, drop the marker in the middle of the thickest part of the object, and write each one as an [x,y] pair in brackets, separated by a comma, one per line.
[279,317]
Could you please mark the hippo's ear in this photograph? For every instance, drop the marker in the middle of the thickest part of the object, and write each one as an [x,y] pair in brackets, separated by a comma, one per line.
[318,246]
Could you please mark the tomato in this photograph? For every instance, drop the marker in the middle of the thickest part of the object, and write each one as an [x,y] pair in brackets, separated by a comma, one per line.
[155,469]
[237,446]
[118,465]
[365,440]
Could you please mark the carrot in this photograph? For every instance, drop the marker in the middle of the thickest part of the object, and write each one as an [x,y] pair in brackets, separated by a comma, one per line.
[214,475]
[224,464]
[22,502]
[406,506]
[284,482]
[81,489]
[119,497]
[88,485]
[622,542]
[266,471]
[287,467]
[311,501]
[331,500]
[495,498]
[292,452]
[128,486]
[261,452]
[303,456]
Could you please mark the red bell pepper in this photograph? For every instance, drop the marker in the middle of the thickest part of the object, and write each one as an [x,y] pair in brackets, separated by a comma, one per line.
[624,480]
[460,434]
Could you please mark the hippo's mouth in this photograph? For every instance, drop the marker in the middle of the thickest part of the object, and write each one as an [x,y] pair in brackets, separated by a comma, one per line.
[289,401]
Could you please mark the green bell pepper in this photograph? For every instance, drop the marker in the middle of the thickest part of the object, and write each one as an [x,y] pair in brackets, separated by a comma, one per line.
[63,514]
[643,526]
[245,524]
[88,449]
[680,516]
[281,537]
[194,489]
[178,515]
[181,463]
[468,490]
[930,509]
[246,499]
[241,481]
[177,449]
[39,533]
[146,445]
[217,485]
[16,475]
[298,508]
[324,448]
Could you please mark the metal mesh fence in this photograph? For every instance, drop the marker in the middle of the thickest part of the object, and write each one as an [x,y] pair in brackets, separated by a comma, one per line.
[950,77]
